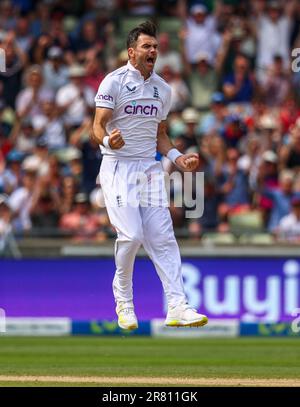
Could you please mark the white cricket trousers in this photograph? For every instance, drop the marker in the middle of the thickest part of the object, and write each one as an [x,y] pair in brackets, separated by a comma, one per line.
[136,202]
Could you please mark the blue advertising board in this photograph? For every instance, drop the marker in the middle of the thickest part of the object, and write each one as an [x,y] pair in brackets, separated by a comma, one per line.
[251,290]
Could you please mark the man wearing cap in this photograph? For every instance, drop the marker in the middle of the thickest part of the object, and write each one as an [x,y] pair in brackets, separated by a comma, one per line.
[11,176]
[214,120]
[200,34]
[203,81]
[191,119]
[55,71]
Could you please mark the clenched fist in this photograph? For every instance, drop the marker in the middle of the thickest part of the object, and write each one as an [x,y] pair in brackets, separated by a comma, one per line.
[187,162]
[115,140]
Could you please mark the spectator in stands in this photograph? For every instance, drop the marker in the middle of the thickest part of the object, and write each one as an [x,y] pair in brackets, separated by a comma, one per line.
[49,125]
[7,15]
[237,38]
[214,121]
[41,151]
[167,56]
[44,213]
[24,38]
[55,71]
[281,198]
[215,149]
[290,153]
[91,155]
[209,220]
[54,36]
[29,100]
[74,100]
[80,222]
[289,226]
[20,200]
[10,179]
[94,72]
[180,94]
[68,189]
[88,39]
[191,120]
[5,220]
[288,114]
[234,130]
[273,30]
[276,85]
[266,178]
[40,22]
[73,164]
[269,129]
[203,81]
[5,129]
[238,87]
[251,159]
[23,136]
[45,216]
[10,79]
[199,35]
[233,185]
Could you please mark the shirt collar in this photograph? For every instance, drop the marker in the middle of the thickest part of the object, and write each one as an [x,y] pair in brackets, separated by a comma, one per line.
[133,69]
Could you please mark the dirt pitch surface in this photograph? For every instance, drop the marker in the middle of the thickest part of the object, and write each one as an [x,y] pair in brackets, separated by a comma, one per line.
[217,381]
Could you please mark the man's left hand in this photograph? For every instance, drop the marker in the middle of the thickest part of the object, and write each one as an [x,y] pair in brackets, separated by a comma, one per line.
[187,162]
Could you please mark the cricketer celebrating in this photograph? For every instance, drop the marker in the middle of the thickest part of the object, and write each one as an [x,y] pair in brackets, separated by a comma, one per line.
[132,105]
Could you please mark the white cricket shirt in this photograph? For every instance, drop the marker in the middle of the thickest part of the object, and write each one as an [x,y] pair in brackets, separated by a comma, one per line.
[138,107]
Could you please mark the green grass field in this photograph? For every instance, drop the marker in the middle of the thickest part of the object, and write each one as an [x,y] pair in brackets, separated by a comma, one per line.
[131,358]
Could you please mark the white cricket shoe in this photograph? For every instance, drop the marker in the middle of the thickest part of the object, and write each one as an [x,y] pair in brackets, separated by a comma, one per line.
[185,316]
[126,316]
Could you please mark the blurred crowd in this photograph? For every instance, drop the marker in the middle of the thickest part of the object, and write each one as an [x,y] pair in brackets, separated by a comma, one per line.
[235,79]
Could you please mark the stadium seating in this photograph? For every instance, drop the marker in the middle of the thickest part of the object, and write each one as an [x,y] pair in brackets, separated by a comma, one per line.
[251,221]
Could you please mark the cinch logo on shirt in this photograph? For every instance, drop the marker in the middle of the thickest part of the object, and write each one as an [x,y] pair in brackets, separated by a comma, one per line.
[105,97]
[148,110]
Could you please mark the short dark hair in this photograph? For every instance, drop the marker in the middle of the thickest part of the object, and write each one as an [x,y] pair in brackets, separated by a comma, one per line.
[147,28]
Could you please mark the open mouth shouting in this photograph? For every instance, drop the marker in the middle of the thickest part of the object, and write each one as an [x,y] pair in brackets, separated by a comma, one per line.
[150,61]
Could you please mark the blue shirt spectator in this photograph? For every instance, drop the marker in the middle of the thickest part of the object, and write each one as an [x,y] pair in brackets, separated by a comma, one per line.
[238,86]
[281,198]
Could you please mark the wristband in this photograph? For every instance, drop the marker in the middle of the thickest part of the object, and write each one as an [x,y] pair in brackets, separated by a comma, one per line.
[105,142]
[173,154]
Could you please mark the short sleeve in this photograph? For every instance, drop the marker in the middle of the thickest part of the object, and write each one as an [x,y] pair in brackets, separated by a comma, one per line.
[166,104]
[107,93]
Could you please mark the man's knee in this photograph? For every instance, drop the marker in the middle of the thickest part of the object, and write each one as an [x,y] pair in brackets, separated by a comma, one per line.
[135,238]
